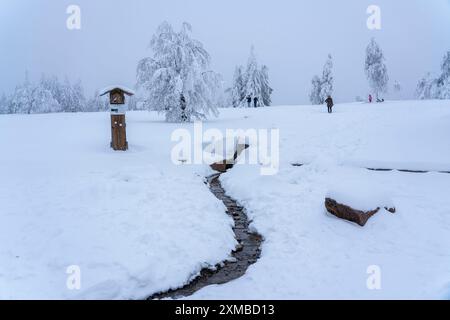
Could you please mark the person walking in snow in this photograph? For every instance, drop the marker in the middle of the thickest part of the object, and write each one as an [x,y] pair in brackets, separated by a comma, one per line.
[330,104]
[249,101]
[370,98]
[255,102]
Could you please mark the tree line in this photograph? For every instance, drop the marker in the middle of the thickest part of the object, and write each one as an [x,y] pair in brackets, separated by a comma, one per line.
[177,81]
[48,95]
[378,79]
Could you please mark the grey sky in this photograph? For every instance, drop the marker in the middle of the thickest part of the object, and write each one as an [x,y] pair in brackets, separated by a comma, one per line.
[292,37]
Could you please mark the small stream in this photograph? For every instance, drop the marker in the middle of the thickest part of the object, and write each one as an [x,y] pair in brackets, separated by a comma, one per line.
[388,169]
[247,253]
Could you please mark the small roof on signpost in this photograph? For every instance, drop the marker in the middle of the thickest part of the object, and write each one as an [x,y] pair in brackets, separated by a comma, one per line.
[108,89]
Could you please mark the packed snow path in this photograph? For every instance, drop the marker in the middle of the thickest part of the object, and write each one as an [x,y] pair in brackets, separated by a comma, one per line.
[245,255]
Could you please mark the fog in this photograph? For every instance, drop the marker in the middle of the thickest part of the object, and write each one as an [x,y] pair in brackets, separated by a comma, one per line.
[291,37]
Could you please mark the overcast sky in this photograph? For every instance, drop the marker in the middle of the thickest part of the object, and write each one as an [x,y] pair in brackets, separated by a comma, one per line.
[292,37]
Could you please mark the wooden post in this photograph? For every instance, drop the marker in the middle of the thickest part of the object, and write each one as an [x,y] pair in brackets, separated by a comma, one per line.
[118,132]
[118,109]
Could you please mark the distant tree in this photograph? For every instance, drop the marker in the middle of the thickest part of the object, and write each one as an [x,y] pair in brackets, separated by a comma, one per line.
[133,103]
[47,95]
[42,101]
[70,97]
[315,96]
[222,97]
[327,79]
[178,80]
[423,90]
[445,92]
[322,87]
[266,90]
[97,103]
[397,86]
[52,84]
[73,99]
[439,88]
[443,82]
[4,104]
[237,91]
[21,101]
[228,98]
[375,68]
[445,66]
[253,83]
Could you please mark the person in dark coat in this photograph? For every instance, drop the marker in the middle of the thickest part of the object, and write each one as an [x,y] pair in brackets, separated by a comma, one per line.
[370,98]
[330,104]
[255,102]
[249,101]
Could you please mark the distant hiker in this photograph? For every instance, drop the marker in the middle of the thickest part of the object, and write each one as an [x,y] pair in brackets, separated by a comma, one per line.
[330,104]
[249,101]
[255,102]
[370,98]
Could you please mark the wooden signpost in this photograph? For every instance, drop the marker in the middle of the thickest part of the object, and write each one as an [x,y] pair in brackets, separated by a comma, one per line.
[118,109]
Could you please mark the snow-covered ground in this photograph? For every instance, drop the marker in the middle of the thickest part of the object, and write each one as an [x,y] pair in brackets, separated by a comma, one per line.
[135,223]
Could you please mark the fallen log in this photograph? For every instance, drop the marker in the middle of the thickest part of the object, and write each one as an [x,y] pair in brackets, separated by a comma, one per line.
[345,212]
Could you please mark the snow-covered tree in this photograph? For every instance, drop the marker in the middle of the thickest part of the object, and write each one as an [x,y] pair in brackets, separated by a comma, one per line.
[133,103]
[439,88]
[445,66]
[445,91]
[423,90]
[52,84]
[315,96]
[42,101]
[397,86]
[97,103]
[251,83]
[443,83]
[266,90]
[238,90]
[47,95]
[4,104]
[178,80]
[21,101]
[375,68]
[327,79]
[72,99]
[397,89]
[322,87]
